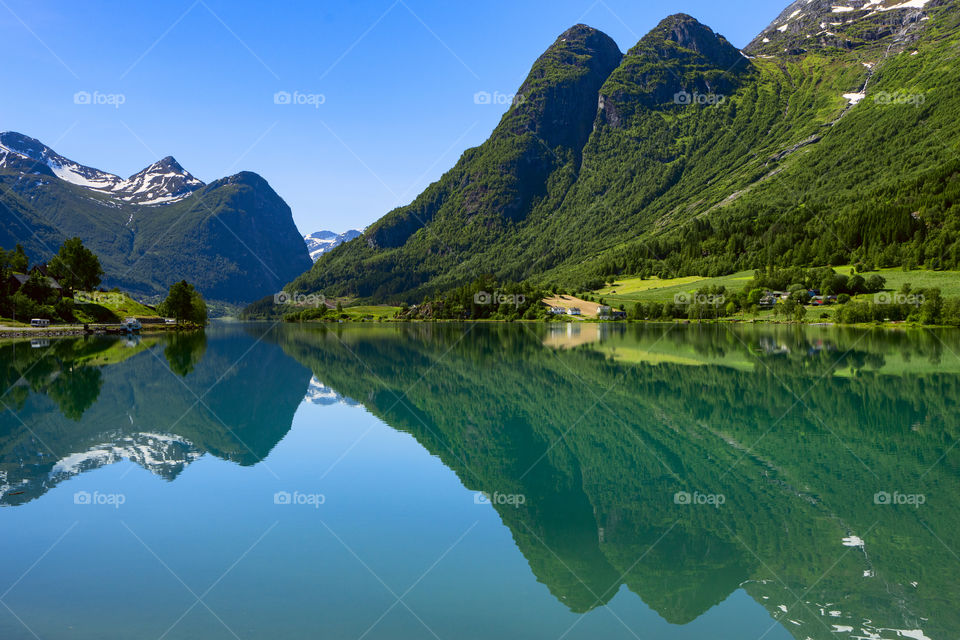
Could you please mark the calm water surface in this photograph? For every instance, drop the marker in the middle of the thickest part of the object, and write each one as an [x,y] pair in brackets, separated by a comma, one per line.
[482,481]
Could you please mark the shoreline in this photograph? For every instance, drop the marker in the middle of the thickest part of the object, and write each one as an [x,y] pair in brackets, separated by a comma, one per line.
[868,325]
[70,330]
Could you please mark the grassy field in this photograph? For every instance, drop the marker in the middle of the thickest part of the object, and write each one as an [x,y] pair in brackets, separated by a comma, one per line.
[630,290]
[108,307]
[947,281]
[370,312]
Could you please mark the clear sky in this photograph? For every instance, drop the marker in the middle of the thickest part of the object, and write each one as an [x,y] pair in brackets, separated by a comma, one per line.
[385,87]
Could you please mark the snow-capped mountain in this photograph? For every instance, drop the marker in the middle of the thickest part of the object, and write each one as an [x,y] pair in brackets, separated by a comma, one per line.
[162,182]
[845,24]
[154,227]
[320,242]
[13,143]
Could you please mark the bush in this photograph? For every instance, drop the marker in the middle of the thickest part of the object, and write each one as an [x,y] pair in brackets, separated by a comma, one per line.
[64,309]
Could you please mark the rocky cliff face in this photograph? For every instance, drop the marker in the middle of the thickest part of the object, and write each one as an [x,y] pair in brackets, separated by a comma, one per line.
[677,61]
[818,25]
[545,127]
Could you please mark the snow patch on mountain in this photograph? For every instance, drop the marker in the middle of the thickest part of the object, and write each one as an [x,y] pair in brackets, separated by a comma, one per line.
[854,98]
[910,4]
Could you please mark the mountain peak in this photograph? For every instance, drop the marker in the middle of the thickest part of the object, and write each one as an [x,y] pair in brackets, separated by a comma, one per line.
[681,30]
[595,41]
[163,181]
[579,31]
[168,162]
[557,101]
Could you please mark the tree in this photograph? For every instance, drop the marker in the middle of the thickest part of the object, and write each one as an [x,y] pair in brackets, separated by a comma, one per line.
[184,303]
[18,260]
[876,283]
[198,308]
[76,267]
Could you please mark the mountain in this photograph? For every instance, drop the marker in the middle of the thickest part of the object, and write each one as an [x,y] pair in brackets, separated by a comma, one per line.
[163,181]
[822,24]
[233,238]
[320,242]
[830,139]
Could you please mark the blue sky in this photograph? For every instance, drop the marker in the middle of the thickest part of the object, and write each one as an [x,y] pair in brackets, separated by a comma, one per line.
[386,87]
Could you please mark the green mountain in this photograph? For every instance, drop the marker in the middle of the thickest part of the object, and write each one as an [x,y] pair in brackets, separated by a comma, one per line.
[233,238]
[831,138]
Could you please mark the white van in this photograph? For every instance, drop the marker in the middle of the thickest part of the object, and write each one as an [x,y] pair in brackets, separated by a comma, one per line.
[39,322]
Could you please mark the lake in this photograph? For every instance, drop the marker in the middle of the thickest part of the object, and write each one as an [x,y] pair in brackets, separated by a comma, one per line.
[482,481]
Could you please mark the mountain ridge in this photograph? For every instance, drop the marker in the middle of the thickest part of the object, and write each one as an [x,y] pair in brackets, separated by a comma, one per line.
[140,188]
[234,238]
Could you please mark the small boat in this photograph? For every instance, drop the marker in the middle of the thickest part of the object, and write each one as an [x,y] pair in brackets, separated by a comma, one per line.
[131,325]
